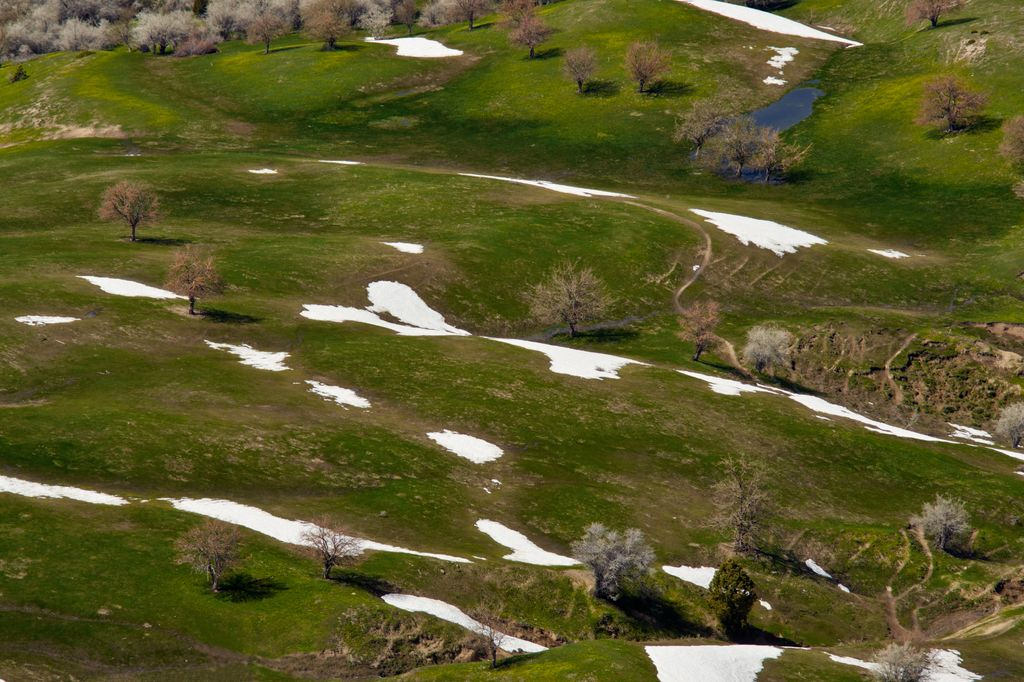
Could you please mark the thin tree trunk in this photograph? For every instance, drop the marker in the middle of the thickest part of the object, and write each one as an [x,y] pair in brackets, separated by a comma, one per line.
[132,238]
[213,577]
[191,305]
[579,87]
[266,47]
[471,21]
[532,49]
[327,570]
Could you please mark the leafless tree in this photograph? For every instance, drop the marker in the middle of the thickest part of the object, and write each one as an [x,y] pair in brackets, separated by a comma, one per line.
[932,10]
[195,275]
[470,10]
[1010,425]
[161,30]
[950,104]
[944,522]
[735,148]
[902,663]
[698,323]
[376,20]
[406,13]
[742,501]
[266,21]
[1012,146]
[646,62]
[580,65]
[529,32]
[704,120]
[131,202]
[775,158]
[211,548]
[614,557]
[329,545]
[571,295]
[494,638]
[767,347]
[326,20]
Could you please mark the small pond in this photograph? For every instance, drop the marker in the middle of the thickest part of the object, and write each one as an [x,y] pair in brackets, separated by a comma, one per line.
[793,107]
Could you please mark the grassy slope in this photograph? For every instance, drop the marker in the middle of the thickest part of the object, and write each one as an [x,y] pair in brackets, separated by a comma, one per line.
[107,402]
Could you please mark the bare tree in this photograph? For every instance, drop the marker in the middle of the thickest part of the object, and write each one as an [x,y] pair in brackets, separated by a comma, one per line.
[266,22]
[950,104]
[902,663]
[470,10]
[131,202]
[376,20]
[776,158]
[487,616]
[932,10]
[329,545]
[194,274]
[211,548]
[1010,426]
[944,522]
[646,62]
[1012,146]
[735,148]
[326,20]
[703,121]
[742,500]
[406,13]
[530,32]
[614,557]
[571,295]
[580,65]
[698,323]
[767,347]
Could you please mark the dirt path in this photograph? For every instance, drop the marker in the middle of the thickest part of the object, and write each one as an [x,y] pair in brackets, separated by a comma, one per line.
[897,392]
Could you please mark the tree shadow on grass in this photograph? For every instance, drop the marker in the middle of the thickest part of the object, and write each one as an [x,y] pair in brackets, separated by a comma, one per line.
[670,89]
[550,53]
[346,47]
[755,635]
[242,587]
[982,124]
[228,317]
[375,585]
[163,241]
[601,88]
[275,50]
[955,22]
[649,606]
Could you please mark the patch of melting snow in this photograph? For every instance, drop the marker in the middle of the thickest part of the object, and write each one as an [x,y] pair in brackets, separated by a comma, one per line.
[424,48]
[815,568]
[764,605]
[779,239]
[263,171]
[126,287]
[405,305]
[843,588]
[578,363]
[17,486]
[341,396]
[945,666]
[766,20]
[40,320]
[276,527]
[772,80]
[783,56]
[890,253]
[247,355]
[405,247]
[472,448]
[710,663]
[697,575]
[340,162]
[725,386]
[340,313]
[553,186]
[523,550]
[972,434]
[453,614]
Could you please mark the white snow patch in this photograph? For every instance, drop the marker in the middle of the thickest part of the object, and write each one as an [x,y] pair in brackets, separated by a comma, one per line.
[17,486]
[820,405]
[764,605]
[40,320]
[342,396]
[263,171]
[578,363]
[709,663]
[417,47]
[126,287]
[698,575]
[472,448]
[890,253]
[405,247]
[772,80]
[843,588]
[523,549]
[725,386]
[766,21]
[247,355]
[553,186]
[783,56]
[404,304]
[340,162]
[340,313]
[968,433]
[945,666]
[453,614]
[779,239]
[277,527]
[813,565]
